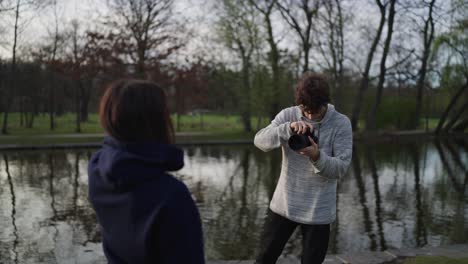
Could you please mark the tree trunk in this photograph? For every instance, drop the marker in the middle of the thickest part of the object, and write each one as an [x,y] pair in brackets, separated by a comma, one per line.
[461,126]
[457,116]
[85,98]
[371,120]
[245,98]
[78,106]
[365,75]
[451,104]
[31,120]
[5,121]
[51,105]
[13,69]
[178,122]
[428,38]
[274,63]
[21,112]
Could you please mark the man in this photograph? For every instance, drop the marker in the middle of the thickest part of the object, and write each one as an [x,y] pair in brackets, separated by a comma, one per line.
[305,195]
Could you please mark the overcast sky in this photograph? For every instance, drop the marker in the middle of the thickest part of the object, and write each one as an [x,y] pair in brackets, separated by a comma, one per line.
[88,12]
[37,23]
[200,19]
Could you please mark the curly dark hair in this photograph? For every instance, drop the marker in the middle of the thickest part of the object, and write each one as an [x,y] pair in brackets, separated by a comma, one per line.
[312,92]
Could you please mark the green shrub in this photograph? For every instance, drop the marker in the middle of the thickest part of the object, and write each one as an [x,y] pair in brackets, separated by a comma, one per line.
[395,113]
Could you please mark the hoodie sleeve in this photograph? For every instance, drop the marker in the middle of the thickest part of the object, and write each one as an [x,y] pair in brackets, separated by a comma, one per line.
[274,134]
[181,236]
[335,167]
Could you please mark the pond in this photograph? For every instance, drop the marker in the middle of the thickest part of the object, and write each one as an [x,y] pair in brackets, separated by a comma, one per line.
[395,195]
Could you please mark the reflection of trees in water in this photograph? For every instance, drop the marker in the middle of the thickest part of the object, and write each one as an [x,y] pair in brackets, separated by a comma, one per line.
[52,197]
[458,232]
[447,166]
[378,200]
[237,215]
[52,177]
[421,233]
[362,198]
[13,208]
[235,225]
[272,172]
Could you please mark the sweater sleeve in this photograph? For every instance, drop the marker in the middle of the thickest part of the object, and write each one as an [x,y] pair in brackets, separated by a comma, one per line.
[335,167]
[181,236]
[274,134]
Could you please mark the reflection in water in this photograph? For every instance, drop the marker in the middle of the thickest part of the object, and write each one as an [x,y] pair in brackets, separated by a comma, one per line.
[13,209]
[421,239]
[378,210]
[394,196]
[54,219]
[356,165]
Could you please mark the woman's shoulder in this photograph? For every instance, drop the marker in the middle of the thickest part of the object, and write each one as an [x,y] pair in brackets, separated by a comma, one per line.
[165,186]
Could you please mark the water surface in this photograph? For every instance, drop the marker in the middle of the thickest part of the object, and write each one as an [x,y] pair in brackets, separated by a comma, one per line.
[394,196]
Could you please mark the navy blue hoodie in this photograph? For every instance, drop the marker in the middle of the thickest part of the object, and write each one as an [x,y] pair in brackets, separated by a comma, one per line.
[145,214]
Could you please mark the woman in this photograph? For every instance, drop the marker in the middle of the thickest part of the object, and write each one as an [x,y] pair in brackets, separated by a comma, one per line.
[145,214]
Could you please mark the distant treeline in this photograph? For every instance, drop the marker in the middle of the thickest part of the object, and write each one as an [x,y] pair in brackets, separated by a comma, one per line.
[410,67]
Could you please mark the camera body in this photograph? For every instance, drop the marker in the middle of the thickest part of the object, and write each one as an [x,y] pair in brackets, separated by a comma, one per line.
[300,141]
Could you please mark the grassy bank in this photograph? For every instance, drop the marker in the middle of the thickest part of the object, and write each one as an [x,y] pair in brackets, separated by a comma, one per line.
[66,124]
[212,123]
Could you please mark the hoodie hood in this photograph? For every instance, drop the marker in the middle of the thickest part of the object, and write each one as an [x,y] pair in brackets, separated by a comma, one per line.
[121,165]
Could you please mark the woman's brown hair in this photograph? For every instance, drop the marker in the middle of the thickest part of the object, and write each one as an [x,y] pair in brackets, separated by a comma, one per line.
[136,111]
[312,92]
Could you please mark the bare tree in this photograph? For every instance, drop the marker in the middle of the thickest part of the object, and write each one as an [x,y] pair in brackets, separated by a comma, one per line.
[428,37]
[332,48]
[13,67]
[300,15]
[5,6]
[57,39]
[455,42]
[145,29]
[371,120]
[74,63]
[365,74]
[19,23]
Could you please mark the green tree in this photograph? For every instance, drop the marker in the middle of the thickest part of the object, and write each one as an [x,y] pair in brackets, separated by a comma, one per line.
[238,29]
[453,48]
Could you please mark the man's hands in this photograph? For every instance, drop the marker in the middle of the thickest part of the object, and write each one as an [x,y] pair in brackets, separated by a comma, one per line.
[300,127]
[312,152]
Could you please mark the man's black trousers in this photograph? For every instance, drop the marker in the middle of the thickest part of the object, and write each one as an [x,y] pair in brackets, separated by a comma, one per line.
[278,230]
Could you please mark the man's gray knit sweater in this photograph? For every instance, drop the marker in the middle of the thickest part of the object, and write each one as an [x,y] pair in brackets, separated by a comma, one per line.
[306,190]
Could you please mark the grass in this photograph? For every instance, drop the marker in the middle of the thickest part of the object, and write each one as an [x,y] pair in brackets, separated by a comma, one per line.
[65,124]
[214,127]
[435,260]
[31,140]
[431,123]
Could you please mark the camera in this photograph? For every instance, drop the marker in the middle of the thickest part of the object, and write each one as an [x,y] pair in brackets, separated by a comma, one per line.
[297,141]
